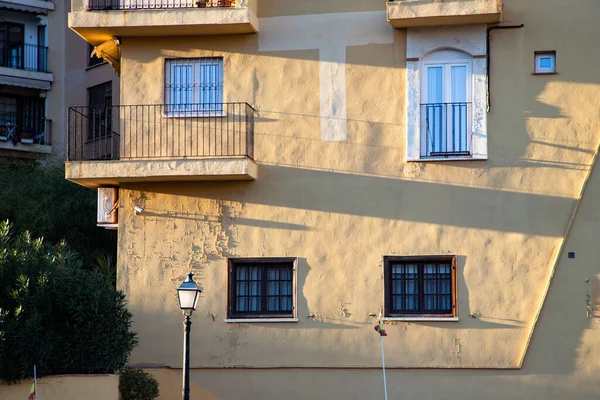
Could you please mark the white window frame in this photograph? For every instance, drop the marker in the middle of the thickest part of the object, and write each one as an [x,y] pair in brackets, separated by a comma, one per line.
[196,107]
[539,55]
[446,59]
[420,43]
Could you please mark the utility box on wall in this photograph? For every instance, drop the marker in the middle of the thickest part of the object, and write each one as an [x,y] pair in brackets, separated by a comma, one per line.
[108,204]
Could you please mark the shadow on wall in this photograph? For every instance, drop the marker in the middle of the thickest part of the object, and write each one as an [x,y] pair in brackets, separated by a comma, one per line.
[397,199]
[402,384]
[387,198]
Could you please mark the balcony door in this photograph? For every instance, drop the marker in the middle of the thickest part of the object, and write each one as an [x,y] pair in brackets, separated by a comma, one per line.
[99,114]
[102,143]
[446,104]
[12,43]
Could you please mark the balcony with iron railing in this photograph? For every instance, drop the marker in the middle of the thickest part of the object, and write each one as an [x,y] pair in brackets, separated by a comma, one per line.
[29,57]
[25,65]
[446,130]
[98,21]
[33,134]
[420,13]
[160,142]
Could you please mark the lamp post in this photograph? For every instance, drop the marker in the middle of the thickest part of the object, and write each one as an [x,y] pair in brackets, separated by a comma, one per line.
[187,294]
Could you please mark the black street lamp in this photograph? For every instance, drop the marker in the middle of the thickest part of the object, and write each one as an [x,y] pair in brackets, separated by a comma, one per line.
[188,294]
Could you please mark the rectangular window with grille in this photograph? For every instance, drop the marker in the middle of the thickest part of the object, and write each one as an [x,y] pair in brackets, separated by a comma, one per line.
[262,288]
[420,286]
[194,86]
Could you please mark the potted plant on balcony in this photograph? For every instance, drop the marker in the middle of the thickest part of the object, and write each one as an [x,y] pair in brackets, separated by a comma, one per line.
[4,134]
[27,136]
[202,3]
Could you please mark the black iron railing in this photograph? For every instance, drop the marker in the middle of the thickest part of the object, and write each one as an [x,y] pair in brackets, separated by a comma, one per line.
[96,5]
[447,129]
[30,57]
[160,131]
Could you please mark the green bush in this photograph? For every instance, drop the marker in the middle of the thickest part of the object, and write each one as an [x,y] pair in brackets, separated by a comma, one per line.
[56,314]
[40,200]
[135,384]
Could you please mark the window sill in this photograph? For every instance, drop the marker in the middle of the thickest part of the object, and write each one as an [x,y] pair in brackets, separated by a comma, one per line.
[196,115]
[545,73]
[95,65]
[447,159]
[422,319]
[255,320]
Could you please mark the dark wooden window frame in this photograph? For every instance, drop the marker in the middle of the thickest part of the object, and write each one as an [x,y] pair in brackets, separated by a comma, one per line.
[231,285]
[389,261]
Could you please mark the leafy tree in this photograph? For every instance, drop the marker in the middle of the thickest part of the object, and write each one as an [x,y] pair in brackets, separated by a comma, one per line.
[56,314]
[38,199]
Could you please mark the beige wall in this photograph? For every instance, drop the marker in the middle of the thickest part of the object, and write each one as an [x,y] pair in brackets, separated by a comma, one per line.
[60,387]
[341,206]
[170,386]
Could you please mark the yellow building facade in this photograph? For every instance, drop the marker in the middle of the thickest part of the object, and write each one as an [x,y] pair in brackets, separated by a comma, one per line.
[320,164]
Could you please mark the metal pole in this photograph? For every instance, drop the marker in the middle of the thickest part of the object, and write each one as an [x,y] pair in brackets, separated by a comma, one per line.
[383,365]
[186,357]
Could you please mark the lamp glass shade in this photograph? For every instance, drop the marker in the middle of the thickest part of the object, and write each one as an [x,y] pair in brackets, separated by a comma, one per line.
[188,293]
[187,299]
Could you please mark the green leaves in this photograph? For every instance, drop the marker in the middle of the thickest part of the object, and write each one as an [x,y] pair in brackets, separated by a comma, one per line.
[40,200]
[56,314]
[135,384]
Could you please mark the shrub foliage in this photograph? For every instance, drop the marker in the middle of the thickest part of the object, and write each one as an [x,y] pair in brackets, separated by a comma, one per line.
[135,384]
[55,314]
[40,200]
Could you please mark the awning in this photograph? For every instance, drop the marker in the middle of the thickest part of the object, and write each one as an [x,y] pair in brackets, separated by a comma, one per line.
[25,82]
[31,6]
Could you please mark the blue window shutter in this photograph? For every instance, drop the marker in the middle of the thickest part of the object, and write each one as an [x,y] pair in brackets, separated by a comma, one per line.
[211,87]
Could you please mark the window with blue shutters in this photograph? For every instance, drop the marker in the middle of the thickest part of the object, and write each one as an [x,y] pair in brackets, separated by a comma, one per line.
[194,86]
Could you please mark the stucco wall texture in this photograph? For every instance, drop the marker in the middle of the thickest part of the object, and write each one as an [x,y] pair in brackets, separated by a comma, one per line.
[340,206]
[72,387]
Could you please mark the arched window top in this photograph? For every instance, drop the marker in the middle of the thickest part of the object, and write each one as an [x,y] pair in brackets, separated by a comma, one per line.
[447,55]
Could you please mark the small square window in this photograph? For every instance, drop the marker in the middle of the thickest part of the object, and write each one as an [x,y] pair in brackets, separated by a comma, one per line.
[545,62]
[263,288]
[420,287]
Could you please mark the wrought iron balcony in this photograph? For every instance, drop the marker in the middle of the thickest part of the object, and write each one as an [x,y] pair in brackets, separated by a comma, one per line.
[161,131]
[30,57]
[111,145]
[99,21]
[446,129]
[32,130]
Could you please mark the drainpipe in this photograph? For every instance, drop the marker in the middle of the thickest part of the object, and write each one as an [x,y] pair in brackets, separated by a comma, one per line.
[489,62]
